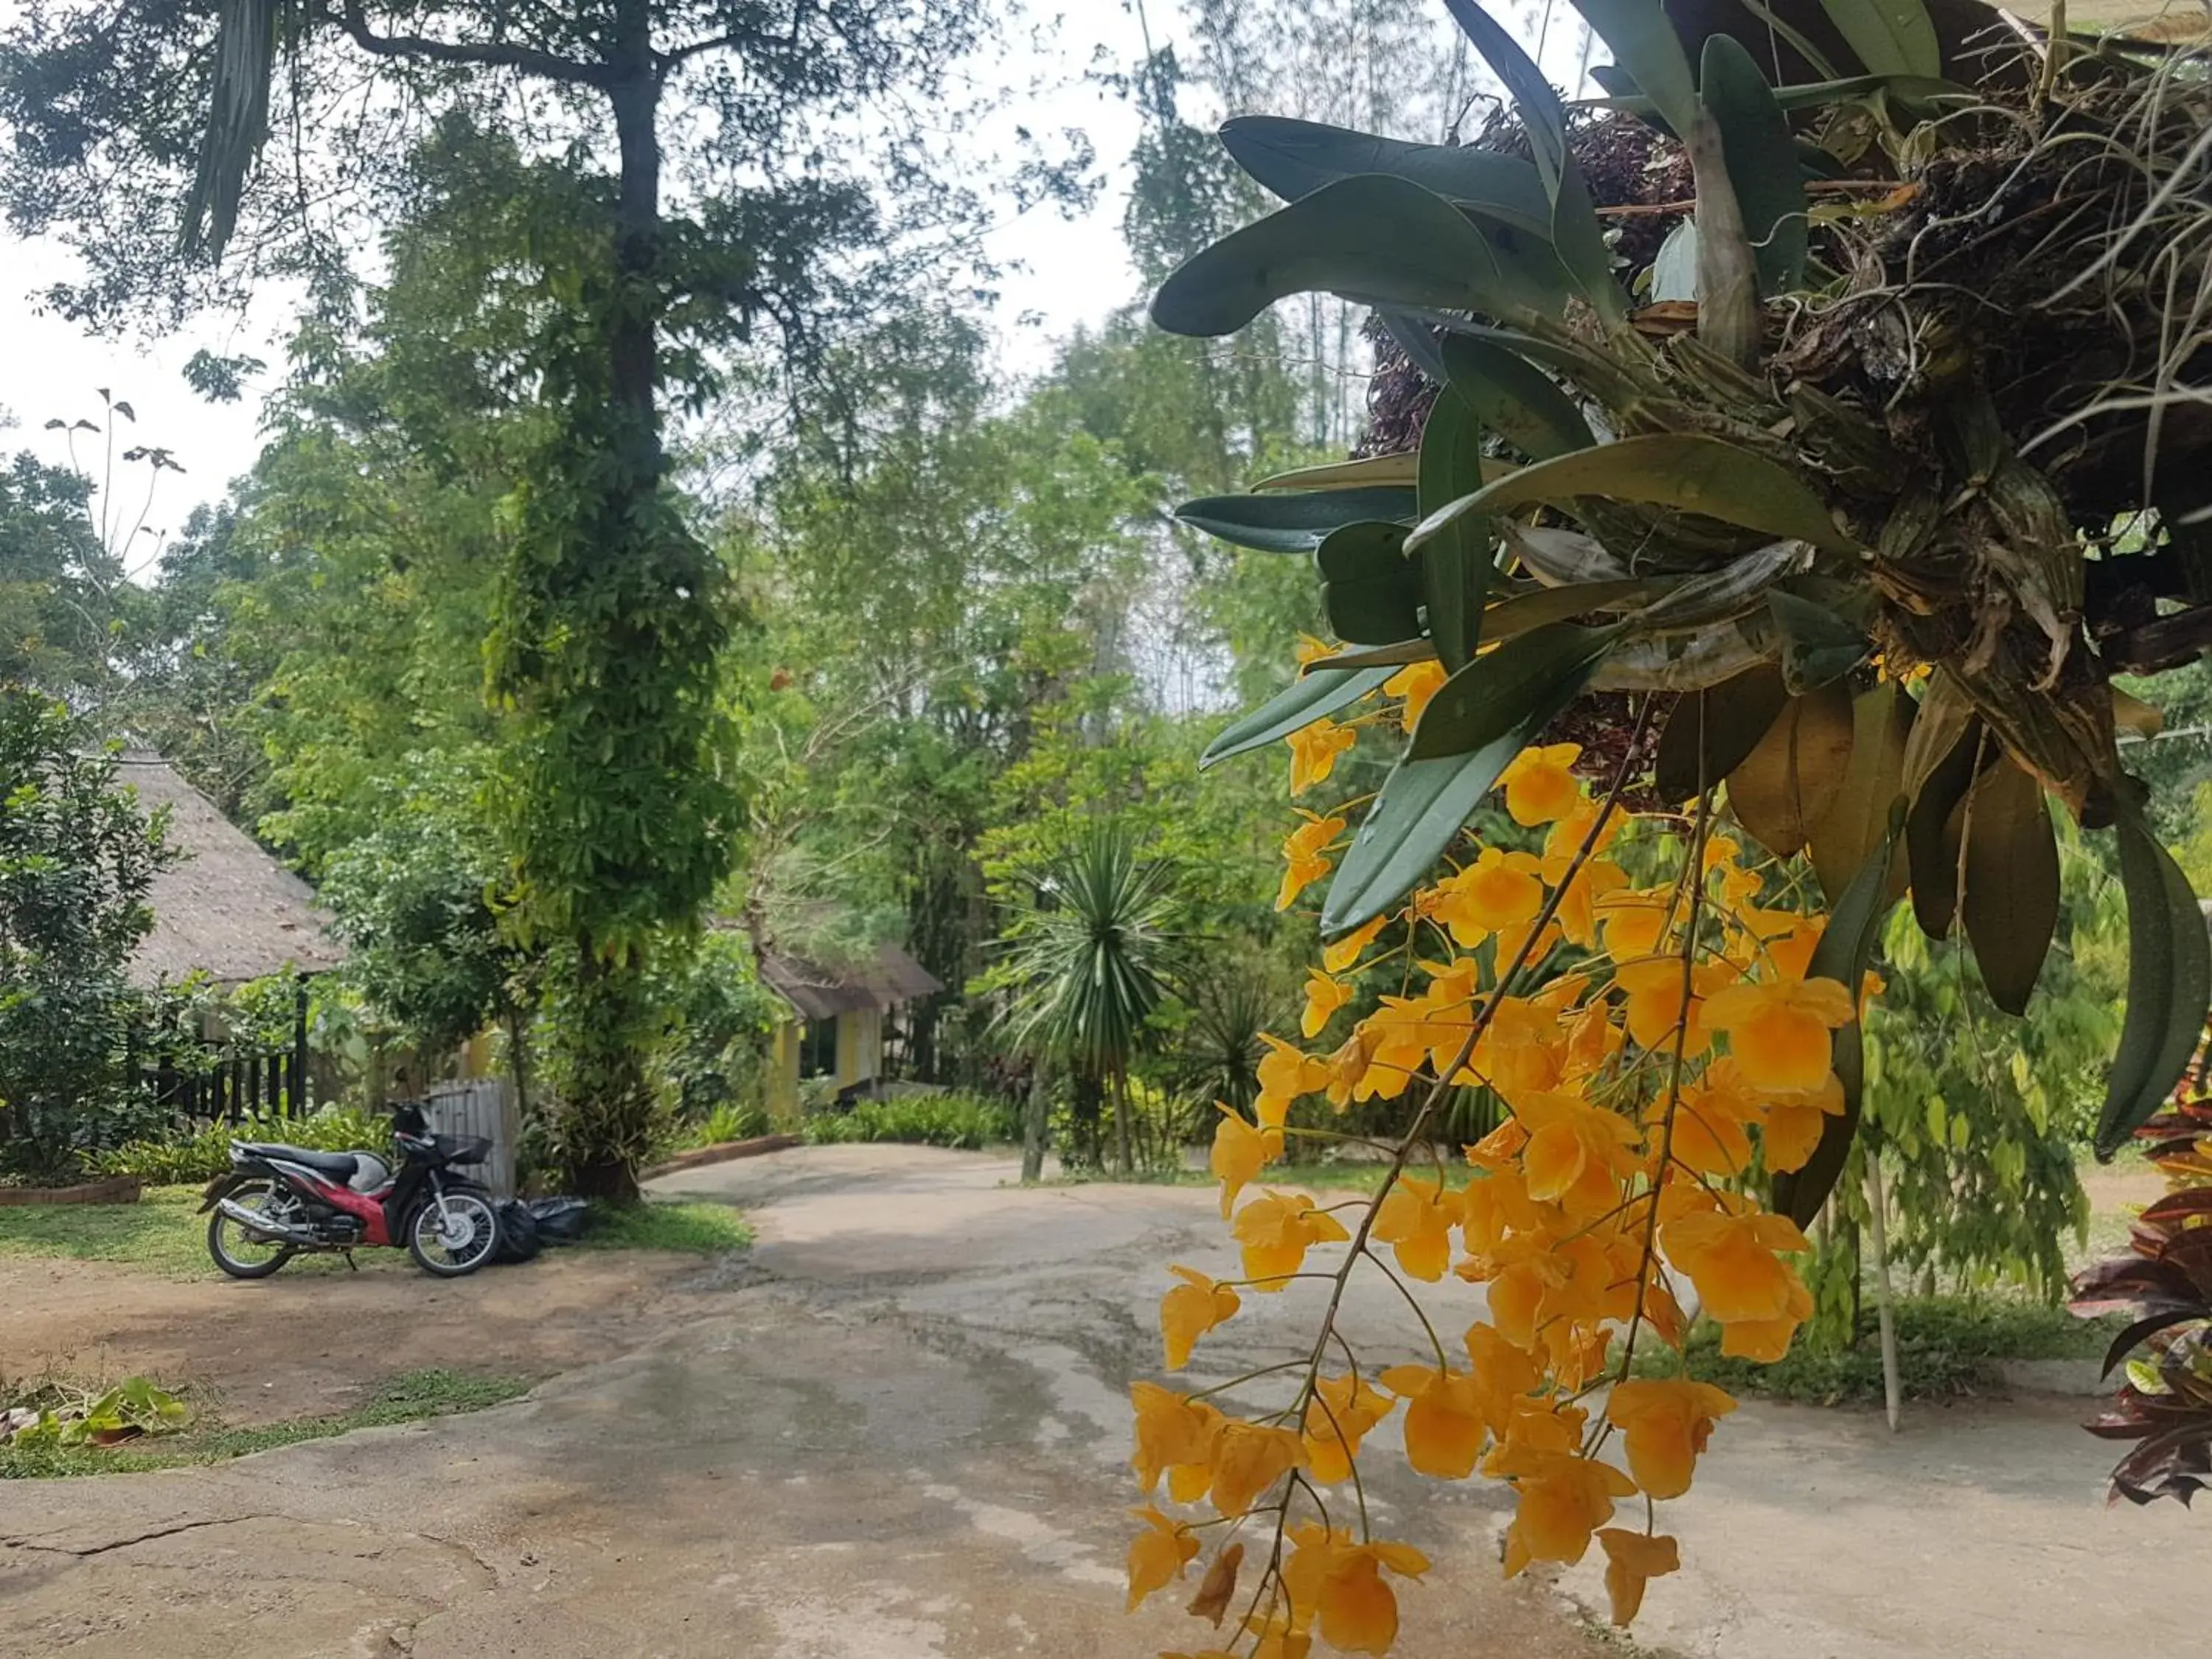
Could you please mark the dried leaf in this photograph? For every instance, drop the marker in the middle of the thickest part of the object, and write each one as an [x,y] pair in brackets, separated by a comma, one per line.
[1787,781]
[1218,1587]
[1725,723]
[1858,818]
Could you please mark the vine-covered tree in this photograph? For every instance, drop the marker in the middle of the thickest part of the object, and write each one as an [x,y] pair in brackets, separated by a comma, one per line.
[133,127]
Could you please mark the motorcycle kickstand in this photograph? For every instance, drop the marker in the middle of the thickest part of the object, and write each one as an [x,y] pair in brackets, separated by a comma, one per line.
[351,1262]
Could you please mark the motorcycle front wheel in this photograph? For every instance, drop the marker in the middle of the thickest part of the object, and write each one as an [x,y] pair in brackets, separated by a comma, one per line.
[456,1238]
[235,1248]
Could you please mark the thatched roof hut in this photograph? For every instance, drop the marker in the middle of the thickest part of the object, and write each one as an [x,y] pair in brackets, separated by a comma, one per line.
[228,909]
[889,978]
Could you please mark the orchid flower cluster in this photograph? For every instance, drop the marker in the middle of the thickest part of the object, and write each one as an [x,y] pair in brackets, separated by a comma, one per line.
[1658,1050]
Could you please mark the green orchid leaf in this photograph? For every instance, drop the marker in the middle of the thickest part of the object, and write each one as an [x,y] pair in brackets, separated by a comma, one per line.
[1845,950]
[1457,567]
[1296,706]
[1515,398]
[2169,983]
[1529,273]
[1578,236]
[1762,161]
[1424,803]
[1293,523]
[1510,617]
[1794,99]
[1623,94]
[1367,473]
[2010,905]
[1687,470]
[1891,37]
[1297,158]
[1521,684]
[1817,645]
[1371,592]
[1373,238]
[1644,44]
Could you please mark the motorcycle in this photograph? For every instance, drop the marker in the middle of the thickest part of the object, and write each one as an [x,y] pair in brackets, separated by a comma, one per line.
[275,1200]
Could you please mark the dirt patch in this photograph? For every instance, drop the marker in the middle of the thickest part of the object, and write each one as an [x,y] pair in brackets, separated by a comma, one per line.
[308,1344]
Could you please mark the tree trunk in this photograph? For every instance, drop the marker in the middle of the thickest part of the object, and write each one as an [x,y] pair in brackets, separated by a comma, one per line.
[1035,1116]
[517,1060]
[1123,1164]
[606,1119]
[632,335]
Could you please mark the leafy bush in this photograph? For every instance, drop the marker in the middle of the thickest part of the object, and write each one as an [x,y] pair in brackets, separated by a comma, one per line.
[201,1154]
[728,1121]
[67,1418]
[77,860]
[1947,1347]
[967,1121]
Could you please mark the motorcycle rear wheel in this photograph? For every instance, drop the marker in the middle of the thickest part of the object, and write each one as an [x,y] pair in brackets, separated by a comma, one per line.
[227,1239]
[457,1241]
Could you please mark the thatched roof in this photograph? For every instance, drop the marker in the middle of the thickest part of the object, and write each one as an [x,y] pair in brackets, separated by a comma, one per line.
[819,993]
[228,909]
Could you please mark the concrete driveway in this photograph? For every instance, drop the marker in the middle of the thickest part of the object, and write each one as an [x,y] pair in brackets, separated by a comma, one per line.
[898,1431]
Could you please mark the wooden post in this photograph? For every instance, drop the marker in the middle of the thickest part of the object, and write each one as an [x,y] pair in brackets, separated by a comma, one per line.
[299,1047]
[1878,1235]
[1033,1120]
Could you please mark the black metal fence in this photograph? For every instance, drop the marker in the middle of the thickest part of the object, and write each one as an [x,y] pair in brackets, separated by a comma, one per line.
[237,1085]
[225,1080]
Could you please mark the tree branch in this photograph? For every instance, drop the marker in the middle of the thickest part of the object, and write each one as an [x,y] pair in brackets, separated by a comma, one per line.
[546,65]
[2156,647]
[665,61]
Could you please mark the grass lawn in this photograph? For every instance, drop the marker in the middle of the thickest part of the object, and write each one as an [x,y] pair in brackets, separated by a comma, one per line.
[1946,1348]
[165,1232]
[406,1398]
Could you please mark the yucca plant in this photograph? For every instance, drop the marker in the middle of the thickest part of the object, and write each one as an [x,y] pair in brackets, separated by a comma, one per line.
[1880,470]
[1084,964]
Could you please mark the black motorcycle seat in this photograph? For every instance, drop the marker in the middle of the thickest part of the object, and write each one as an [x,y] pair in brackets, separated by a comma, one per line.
[339,1166]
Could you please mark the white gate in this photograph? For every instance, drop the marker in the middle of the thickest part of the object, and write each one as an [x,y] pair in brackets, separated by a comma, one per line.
[481,1106]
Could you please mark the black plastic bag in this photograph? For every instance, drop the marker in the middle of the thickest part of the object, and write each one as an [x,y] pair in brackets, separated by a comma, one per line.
[559,1220]
[518,1233]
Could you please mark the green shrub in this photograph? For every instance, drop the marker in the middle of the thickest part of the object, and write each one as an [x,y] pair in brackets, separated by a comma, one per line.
[730,1121]
[188,1155]
[967,1121]
[1947,1347]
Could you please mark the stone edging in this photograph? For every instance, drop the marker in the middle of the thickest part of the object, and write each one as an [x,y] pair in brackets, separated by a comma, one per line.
[722,1153]
[116,1190]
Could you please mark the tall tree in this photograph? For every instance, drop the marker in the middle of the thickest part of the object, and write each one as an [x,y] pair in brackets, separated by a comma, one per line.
[612,613]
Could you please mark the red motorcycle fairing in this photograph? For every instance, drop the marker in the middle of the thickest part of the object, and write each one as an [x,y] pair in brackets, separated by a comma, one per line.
[368,1207]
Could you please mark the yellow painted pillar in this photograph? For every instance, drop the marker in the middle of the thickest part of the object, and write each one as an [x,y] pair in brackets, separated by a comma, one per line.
[783,1073]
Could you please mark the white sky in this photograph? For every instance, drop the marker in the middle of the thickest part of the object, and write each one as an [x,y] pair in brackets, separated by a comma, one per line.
[1059,274]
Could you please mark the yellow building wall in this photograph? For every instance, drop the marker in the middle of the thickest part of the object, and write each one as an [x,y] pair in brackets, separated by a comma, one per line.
[859,1046]
[783,1073]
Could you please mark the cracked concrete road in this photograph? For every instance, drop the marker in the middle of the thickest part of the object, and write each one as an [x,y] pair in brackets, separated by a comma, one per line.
[894,1431]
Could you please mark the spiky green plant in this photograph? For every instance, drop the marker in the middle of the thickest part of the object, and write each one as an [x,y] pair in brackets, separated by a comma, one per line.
[1084,963]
